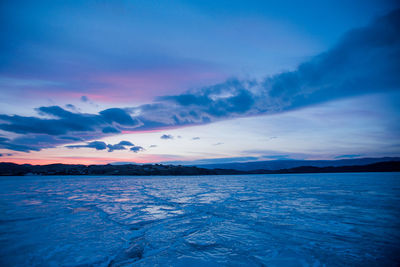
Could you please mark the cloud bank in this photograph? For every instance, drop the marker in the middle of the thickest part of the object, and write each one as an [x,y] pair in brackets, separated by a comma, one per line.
[99,145]
[365,60]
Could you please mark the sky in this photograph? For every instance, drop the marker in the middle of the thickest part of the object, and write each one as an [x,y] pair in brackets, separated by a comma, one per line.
[101,81]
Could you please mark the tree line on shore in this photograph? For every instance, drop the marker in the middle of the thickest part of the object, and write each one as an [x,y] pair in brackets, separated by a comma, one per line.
[12,169]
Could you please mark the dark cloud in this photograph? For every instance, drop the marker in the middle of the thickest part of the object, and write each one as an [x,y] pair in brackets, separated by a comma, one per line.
[109,129]
[111,148]
[221,100]
[117,115]
[61,126]
[120,146]
[136,149]
[126,143]
[61,122]
[230,99]
[72,138]
[166,136]
[98,145]
[39,141]
[5,143]
[151,146]
[35,142]
[366,60]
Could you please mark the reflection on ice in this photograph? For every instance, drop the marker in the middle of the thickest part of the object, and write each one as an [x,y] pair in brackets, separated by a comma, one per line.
[253,220]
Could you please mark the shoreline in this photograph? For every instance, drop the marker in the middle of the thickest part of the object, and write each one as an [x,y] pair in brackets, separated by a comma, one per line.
[12,169]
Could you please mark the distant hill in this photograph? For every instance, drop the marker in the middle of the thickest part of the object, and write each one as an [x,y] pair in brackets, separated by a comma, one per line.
[273,165]
[388,166]
[12,169]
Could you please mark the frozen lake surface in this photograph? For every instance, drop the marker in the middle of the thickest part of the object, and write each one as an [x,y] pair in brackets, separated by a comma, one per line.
[248,220]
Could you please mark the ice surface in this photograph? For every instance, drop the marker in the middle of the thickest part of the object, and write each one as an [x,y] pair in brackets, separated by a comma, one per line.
[248,220]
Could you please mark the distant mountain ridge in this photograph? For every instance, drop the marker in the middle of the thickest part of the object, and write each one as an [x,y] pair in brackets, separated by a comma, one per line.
[12,169]
[274,165]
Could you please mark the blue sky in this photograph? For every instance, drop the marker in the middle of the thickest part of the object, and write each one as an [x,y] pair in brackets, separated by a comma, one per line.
[103,81]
